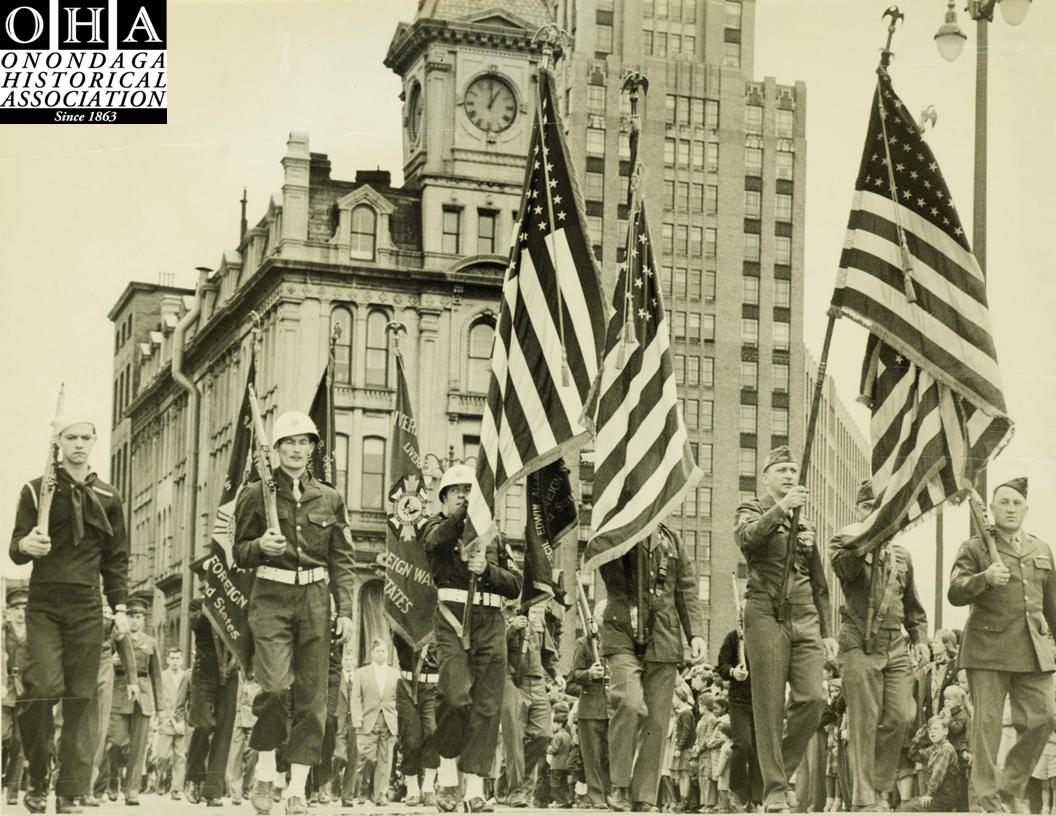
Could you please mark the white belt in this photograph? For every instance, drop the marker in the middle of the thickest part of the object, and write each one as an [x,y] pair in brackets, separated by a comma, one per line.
[452,595]
[422,678]
[297,576]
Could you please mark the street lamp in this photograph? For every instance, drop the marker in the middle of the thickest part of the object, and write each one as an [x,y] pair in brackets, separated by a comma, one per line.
[949,38]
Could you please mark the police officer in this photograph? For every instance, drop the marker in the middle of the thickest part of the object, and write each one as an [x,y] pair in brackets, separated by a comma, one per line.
[642,687]
[471,680]
[1007,647]
[791,651]
[64,620]
[880,600]
[587,681]
[14,650]
[416,720]
[289,610]
[136,697]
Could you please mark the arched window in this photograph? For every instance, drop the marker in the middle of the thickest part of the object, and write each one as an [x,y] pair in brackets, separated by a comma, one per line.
[377,371]
[481,335]
[341,464]
[364,232]
[372,493]
[342,317]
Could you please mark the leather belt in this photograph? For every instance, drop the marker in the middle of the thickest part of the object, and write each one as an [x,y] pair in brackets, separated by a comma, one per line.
[452,595]
[424,677]
[293,577]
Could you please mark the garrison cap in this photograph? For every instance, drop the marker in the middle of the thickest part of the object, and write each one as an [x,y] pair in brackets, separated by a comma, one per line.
[865,491]
[17,595]
[779,455]
[1019,484]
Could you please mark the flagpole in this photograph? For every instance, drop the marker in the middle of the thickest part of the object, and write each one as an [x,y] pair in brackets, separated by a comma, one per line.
[329,455]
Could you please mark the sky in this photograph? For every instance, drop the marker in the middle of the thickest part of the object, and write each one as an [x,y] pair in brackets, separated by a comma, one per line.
[86,209]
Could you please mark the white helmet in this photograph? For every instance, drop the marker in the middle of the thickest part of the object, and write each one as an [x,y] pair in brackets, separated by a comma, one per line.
[293,423]
[455,475]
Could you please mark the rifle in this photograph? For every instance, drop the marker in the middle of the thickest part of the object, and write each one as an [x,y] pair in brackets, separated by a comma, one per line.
[262,462]
[641,635]
[47,484]
[979,515]
[742,663]
[590,627]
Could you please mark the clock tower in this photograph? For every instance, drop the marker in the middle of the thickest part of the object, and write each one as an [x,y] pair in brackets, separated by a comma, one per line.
[469,87]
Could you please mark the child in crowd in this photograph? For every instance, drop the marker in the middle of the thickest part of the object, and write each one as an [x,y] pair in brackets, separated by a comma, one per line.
[720,771]
[705,725]
[958,723]
[683,744]
[945,779]
[1045,773]
[559,757]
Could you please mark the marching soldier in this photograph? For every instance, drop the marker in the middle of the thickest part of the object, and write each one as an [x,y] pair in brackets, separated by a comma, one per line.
[136,697]
[642,687]
[880,600]
[790,651]
[416,720]
[170,743]
[587,681]
[14,650]
[289,610]
[1007,647]
[64,619]
[471,680]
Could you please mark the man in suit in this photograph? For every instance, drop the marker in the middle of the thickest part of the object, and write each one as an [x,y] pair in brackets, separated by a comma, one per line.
[136,698]
[242,759]
[345,754]
[1007,647]
[170,742]
[372,702]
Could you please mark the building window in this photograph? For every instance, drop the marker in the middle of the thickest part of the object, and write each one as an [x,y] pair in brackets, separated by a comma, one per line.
[711,201]
[746,462]
[669,152]
[704,502]
[785,120]
[711,114]
[779,375]
[624,146]
[749,375]
[783,293]
[781,334]
[668,197]
[364,229]
[694,282]
[782,250]
[660,43]
[692,370]
[341,465]
[731,54]
[680,368]
[452,230]
[711,239]
[377,371]
[753,204]
[594,226]
[749,331]
[704,454]
[603,41]
[780,422]
[693,327]
[753,118]
[784,164]
[678,325]
[708,326]
[696,241]
[341,318]
[751,246]
[674,44]
[595,186]
[595,142]
[514,512]
[667,237]
[707,415]
[480,339]
[689,504]
[751,289]
[647,43]
[689,11]
[679,290]
[682,196]
[690,407]
[709,285]
[749,418]
[733,13]
[596,99]
[486,220]
[753,161]
[372,486]
[683,153]
[682,239]
[707,372]
[670,109]
[783,207]
[698,155]
[689,46]
[682,110]
[712,162]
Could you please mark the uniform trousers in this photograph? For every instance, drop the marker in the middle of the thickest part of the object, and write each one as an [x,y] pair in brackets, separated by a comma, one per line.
[170,750]
[779,653]
[375,749]
[104,701]
[127,741]
[470,688]
[210,742]
[346,758]
[746,779]
[241,761]
[416,723]
[1033,710]
[878,688]
[641,696]
[64,640]
[291,641]
[594,746]
[526,729]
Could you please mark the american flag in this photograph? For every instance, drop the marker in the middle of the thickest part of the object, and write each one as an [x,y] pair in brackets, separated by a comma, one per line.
[930,375]
[643,465]
[550,330]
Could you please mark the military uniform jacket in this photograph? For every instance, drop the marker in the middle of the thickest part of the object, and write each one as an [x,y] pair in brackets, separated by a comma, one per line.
[314,527]
[1009,627]
[441,535]
[672,600]
[147,676]
[213,666]
[895,603]
[593,697]
[761,532]
[540,657]
[88,537]
[13,659]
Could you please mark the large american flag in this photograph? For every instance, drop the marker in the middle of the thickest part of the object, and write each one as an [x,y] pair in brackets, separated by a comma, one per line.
[643,465]
[930,375]
[550,330]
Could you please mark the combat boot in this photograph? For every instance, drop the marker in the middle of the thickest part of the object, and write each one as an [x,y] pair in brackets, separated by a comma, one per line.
[447,799]
[260,797]
[67,804]
[619,800]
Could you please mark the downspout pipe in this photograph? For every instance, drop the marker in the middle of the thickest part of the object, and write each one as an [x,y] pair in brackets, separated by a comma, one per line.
[193,418]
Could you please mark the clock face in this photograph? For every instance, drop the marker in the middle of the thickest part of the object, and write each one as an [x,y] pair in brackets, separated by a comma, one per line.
[415,109]
[490,104]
